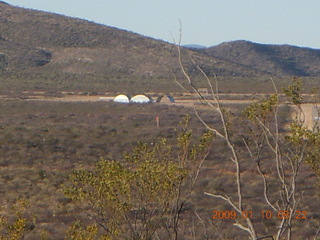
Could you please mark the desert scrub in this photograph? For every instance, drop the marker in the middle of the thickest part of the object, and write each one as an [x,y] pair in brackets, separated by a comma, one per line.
[141,196]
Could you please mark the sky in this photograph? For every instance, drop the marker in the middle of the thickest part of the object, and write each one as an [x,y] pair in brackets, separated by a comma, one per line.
[204,22]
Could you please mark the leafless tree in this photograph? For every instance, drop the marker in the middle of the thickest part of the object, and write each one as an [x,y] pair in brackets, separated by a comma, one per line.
[286,150]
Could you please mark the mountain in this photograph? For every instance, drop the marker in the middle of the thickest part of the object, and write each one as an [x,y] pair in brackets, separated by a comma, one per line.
[49,41]
[49,52]
[70,45]
[194,46]
[281,60]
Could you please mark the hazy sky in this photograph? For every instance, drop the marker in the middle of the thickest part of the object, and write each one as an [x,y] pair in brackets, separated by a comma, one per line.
[205,22]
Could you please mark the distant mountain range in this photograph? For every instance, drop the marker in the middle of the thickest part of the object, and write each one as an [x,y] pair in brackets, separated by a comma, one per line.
[36,42]
[194,46]
[273,59]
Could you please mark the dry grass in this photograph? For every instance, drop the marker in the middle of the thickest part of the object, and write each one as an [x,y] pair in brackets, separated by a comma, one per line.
[41,142]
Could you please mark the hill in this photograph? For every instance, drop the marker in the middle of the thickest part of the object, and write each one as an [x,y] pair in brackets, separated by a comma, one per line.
[55,48]
[49,52]
[194,46]
[281,60]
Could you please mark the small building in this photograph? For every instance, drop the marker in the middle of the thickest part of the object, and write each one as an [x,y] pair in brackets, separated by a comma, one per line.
[203,90]
[140,99]
[165,99]
[121,99]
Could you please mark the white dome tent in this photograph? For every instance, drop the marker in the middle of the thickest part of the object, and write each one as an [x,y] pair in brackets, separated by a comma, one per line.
[140,99]
[121,99]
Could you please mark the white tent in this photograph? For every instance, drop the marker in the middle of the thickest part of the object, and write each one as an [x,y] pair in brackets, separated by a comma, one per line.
[140,99]
[165,99]
[121,99]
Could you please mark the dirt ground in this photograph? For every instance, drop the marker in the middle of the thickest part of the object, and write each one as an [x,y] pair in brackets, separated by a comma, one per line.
[189,100]
[308,117]
[98,98]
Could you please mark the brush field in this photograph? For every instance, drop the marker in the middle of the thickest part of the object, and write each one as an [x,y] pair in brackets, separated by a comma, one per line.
[42,141]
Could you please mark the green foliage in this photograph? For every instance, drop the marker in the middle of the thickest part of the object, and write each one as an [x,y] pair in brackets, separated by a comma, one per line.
[304,141]
[293,91]
[154,175]
[308,141]
[262,110]
[17,228]
[105,190]
[77,232]
[136,195]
